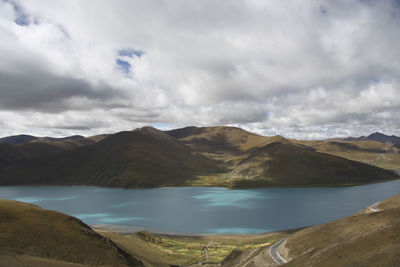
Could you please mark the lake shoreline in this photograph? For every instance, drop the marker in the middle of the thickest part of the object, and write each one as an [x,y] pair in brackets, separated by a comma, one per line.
[264,186]
[127,229]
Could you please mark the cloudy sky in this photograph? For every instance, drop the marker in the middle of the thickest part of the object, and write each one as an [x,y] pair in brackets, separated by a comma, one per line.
[302,69]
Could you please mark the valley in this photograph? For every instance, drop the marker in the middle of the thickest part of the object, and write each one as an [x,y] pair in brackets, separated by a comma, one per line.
[203,161]
[164,133]
[369,237]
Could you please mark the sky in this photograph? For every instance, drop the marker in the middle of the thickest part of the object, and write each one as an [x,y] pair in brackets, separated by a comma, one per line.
[301,69]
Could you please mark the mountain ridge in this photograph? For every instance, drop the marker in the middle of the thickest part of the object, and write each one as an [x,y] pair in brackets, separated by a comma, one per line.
[203,156]
[140,158]
[24,138]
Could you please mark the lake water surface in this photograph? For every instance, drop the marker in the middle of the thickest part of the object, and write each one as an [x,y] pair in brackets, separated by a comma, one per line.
[204,209]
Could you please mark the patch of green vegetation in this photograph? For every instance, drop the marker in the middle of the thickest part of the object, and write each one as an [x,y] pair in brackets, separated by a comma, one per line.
[206,249]
[185,250]
[222,180]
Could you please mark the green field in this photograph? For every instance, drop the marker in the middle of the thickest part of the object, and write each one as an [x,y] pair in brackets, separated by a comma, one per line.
[164,250]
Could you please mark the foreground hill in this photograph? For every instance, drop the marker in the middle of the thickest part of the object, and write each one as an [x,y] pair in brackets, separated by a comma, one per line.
[142,158]
[254,160]
[367,238]
[32,236]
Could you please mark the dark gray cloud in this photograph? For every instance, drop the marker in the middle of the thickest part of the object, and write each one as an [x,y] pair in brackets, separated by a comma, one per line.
[35,90]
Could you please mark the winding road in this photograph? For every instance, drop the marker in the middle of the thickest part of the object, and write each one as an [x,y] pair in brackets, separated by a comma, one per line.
[373,207]
[273,251]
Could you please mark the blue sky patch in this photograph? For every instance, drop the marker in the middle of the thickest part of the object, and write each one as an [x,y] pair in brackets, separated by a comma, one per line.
[123,61]
[161,126]
[124,65]
[375,80]
[323,10]
[22,18]
[130,53]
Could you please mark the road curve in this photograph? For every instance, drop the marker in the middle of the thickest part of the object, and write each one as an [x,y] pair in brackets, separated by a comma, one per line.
[273,251]
[373,207]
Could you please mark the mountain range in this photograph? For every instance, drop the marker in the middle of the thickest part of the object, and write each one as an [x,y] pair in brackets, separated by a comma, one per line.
[23,138]
[379,137]
[207,156]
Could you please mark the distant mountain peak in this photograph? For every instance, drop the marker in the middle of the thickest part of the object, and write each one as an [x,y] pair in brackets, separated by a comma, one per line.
[18,139]
[377,136]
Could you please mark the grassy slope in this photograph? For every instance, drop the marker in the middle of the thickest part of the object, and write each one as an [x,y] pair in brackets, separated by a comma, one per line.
[288,164]
[218,139]
[370,152]
[165,250]
[364,239]
[142,158]
[255,160]
[31,235]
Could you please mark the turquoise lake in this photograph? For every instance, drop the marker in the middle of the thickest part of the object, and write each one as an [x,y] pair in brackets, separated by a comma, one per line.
[190,210]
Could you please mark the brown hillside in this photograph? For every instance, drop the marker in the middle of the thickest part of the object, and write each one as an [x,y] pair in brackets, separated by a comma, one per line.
[370,152]
[219,138]
[142,158]
[255,160]
[208,156]
[364,239]
[30,234]
[288,164]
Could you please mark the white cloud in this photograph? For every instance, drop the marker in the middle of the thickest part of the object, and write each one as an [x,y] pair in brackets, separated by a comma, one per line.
[308,69]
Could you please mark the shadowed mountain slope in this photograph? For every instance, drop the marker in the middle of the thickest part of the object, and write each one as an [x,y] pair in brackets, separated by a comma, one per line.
[32,235]
[286,164]
[11,154]
[207,156]
[18,139]
[23,139]
[15,152]
[365,239]
[142,158]
[255,160]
